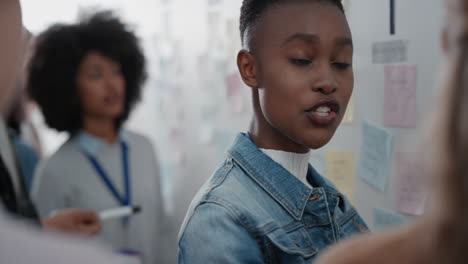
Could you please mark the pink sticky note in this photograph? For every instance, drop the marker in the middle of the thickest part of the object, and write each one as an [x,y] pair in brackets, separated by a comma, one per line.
[233,85]
[236,102]
[411,184]
[400,95]
[176,141]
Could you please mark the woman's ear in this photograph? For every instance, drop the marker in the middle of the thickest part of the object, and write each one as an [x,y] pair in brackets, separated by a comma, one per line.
[247,68]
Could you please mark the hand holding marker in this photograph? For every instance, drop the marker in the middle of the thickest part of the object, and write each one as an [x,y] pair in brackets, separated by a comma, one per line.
[119,212]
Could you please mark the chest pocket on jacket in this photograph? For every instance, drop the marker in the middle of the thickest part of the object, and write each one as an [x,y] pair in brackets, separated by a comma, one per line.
[289,247]
[351,225]
[348,219]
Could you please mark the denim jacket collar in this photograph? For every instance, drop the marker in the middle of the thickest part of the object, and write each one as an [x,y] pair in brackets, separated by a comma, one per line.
[281,185]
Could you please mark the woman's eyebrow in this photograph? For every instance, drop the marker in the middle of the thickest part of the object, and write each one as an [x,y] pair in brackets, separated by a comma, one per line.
[343,41]
[314,39]
[311,38]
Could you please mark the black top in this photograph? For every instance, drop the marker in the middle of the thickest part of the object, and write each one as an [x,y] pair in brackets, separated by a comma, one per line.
[20,206]
[7,192]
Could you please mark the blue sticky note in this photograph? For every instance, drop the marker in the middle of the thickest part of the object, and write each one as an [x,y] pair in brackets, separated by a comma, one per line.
[376,154]
[384,218]
[167,181]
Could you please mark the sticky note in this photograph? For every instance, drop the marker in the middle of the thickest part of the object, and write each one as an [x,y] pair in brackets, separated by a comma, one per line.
[209,112]
[392,51]
[411,184]
[385,218]
[236,102]
[214,2]
[376,153]
[349,114]
[176,141]
[206,134]
[340,171]
[167,185]
[400,95]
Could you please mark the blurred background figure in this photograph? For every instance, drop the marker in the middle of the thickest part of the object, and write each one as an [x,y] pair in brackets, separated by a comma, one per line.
[20,159]
[86,78]
[34,247]
[23,134]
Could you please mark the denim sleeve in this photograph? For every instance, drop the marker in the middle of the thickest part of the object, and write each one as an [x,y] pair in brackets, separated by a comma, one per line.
[214,235]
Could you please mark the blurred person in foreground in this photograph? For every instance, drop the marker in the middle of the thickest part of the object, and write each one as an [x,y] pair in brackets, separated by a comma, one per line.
[20,243]
[13,194]
[441,234]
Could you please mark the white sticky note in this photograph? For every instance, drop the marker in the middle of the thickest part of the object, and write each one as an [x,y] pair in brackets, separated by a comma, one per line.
[392,51]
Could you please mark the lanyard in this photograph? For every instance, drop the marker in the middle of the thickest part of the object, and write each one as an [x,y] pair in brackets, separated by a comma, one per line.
[125,199]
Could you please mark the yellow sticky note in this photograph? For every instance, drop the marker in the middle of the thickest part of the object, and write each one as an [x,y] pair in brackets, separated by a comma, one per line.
[340,171]
[349,114]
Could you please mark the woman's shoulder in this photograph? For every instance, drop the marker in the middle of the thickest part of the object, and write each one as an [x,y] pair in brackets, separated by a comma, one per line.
[57,165]
[139,141]
[136,138]
[62,155]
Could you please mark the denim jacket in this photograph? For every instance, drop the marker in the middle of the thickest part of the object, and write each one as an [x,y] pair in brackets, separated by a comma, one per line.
[252,210]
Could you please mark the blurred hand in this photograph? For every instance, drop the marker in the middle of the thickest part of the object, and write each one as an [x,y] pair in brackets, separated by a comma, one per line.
[79,221]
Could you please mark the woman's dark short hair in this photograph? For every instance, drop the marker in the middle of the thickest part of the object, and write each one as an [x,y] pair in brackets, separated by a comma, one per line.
[58,54]
[253,10]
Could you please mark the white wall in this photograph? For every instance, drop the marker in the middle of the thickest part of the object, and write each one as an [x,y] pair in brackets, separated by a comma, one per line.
[182,96]
[185,109]
[419,22]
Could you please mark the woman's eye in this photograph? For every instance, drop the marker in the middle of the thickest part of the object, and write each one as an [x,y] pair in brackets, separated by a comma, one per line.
[117,72]
[94,76]
[341,65]
[301,62]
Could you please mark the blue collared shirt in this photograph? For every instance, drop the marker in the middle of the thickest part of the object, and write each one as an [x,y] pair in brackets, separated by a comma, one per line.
[252,210]
[92,144]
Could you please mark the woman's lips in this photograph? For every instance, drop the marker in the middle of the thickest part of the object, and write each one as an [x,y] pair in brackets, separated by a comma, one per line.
[113,99]
[324,113]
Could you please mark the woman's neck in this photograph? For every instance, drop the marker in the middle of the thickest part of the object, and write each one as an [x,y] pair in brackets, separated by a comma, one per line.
[267,137]
[101,128]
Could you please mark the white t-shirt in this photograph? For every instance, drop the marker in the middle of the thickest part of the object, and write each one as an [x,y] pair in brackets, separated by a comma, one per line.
[68,180]
[296,163]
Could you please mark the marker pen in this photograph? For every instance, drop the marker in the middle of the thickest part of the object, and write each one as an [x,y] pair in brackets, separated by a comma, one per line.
[118,212]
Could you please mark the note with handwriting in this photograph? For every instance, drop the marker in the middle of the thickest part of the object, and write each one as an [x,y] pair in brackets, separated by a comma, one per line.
[400,95]
[376,154]
[340,171]
[411,184]
[392,51]
[385,218]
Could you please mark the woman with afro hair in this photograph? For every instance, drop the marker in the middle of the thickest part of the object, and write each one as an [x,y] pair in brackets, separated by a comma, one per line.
[86,78]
